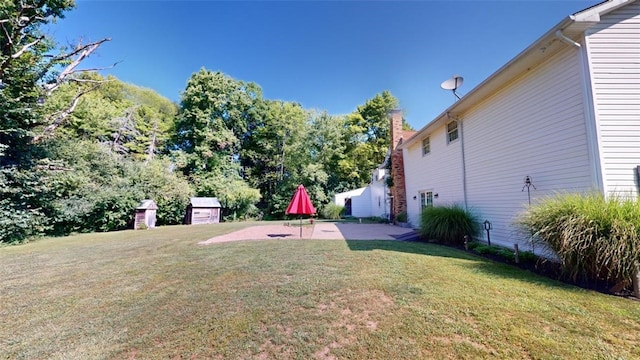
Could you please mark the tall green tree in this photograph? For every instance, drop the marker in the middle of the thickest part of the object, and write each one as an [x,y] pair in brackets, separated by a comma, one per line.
[367,140]
[127,119]
[271,153]
[32,67]
[215,113]
[327,145]
[23,66]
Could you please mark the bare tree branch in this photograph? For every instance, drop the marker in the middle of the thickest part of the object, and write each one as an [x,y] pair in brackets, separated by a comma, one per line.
[80,48]
[61,116]
[82,53]
[151,151]
[89,81]
[95,69]
[26,47]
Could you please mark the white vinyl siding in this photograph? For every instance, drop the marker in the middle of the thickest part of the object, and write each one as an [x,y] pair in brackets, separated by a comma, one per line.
[570,122]
[441,172]
[360,201]
[613,50]
[534,127]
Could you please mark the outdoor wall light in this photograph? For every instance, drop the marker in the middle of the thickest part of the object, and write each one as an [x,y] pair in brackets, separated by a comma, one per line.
[435,195]
[415,197]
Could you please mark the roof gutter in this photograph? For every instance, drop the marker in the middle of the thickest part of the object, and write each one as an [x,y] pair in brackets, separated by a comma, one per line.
[519,64]
[495,80]
[565,39]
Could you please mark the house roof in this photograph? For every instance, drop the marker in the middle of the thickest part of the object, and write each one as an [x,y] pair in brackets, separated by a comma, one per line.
[147,204]
[568,30]
[204,202]
[407,134]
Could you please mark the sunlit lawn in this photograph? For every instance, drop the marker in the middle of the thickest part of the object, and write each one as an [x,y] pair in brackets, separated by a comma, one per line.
[157,294]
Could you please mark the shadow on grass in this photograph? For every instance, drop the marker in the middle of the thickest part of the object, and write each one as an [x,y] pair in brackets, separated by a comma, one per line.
[411,247]
[476,264]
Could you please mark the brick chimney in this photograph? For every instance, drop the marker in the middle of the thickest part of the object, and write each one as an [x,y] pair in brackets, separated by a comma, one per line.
[398,190]
[396,127]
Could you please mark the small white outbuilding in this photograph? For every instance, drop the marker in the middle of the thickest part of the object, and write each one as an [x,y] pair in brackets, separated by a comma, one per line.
[145,215]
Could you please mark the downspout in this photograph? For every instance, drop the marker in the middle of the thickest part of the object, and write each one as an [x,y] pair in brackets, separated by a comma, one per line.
[593,137]
[591,124]
[566,40]
[464,166]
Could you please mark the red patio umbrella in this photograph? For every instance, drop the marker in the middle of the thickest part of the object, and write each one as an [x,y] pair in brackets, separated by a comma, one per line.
[300,205]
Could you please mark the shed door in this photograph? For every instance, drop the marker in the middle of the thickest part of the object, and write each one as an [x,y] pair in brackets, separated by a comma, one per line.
[347,207]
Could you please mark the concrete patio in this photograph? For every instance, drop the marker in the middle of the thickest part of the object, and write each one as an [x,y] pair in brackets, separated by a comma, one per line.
[318,231]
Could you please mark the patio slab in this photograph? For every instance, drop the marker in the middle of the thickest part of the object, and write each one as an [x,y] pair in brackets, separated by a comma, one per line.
[320,231]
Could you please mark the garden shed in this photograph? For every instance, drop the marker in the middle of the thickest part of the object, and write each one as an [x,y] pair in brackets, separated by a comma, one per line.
[145,215]
[203,210]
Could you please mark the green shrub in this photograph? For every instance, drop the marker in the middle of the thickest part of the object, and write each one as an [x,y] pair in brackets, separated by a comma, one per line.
[377,219]
[474,244]
[332,211]
[18,225]
[594,237]
[527,256]
[402,217]
[448,224]
[506,253]
[485,249]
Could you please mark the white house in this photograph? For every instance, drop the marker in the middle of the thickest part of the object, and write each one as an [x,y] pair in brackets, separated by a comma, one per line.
[372,200]
[565,113]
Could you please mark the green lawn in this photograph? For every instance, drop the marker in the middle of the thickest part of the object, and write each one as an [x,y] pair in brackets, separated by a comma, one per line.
[158,295]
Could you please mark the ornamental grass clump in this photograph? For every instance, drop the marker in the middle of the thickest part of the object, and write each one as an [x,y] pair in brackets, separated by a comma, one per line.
[448,224]
[332,211]
[594,237]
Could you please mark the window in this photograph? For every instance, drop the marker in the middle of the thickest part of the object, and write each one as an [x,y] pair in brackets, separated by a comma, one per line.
[452,131]
[426,146]
[426,199]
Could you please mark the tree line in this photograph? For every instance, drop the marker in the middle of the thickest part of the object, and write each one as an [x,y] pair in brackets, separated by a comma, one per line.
[79,150]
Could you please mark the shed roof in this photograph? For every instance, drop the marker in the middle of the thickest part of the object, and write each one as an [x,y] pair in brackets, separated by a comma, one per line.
[147,204]
[205,202]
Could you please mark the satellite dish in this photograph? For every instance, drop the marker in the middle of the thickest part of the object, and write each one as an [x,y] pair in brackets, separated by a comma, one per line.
[453,84]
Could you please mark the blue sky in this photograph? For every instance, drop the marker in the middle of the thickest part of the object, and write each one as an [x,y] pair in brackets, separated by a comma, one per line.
[326,55]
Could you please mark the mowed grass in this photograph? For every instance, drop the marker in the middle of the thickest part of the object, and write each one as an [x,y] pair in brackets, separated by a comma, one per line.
[158,295]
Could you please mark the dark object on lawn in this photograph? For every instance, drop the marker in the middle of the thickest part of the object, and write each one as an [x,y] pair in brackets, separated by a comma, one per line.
[300,205]
[203,210]
[145,215]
